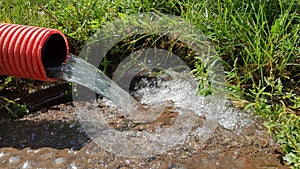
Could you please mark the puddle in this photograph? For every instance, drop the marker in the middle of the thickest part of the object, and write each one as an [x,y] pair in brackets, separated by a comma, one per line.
[251,148]
[54,138]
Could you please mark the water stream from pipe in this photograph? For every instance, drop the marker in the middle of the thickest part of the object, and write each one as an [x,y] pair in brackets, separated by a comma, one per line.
[81,72]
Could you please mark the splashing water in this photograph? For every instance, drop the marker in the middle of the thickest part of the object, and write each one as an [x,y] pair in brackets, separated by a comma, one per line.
[181,89]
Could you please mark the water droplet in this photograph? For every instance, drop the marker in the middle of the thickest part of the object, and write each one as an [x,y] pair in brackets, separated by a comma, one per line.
[46,155]
[2,154]
[14,159]
[26,165]
[59,160]
[73,166]
[33,136]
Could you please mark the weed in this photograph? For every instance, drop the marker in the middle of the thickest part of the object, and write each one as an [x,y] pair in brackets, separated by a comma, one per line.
[14,109]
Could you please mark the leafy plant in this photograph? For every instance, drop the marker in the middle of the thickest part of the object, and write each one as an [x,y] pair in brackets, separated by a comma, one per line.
[14,109]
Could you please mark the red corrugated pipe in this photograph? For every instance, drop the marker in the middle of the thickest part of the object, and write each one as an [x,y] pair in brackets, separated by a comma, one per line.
[26,51]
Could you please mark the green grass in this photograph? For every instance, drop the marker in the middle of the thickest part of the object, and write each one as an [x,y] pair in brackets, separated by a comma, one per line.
[258,41]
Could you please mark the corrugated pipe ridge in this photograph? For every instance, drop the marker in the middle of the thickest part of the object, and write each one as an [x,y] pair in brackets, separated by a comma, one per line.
[26,51]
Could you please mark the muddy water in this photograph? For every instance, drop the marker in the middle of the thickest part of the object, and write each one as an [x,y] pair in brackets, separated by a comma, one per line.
[54,139]
[58,137]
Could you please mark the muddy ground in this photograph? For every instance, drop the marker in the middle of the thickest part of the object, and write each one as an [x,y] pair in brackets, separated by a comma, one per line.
[53,138]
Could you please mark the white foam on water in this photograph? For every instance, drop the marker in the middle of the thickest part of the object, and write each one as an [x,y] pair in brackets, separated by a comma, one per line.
[182,90]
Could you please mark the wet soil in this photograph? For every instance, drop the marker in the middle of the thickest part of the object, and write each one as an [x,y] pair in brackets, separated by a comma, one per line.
[53,138]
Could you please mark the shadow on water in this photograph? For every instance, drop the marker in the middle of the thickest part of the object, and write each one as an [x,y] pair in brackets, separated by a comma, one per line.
[55,128]
[58,134]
